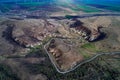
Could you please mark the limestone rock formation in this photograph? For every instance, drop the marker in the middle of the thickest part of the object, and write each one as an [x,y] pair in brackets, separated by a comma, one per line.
[87,33]
[30,33]
[94,35]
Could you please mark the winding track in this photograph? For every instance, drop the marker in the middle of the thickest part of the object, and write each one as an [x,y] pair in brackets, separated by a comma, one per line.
[63,72]
[62,17]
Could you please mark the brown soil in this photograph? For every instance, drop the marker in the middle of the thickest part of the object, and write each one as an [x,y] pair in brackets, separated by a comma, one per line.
[65,56]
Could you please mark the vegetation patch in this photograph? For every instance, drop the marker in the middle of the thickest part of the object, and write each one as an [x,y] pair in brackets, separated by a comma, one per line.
[6,73]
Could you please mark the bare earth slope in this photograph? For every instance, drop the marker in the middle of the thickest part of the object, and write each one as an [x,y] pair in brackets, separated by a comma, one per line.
[76,41]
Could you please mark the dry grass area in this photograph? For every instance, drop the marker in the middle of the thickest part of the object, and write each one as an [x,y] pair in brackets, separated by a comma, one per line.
[111,27]
[7,45]
[112,40]
[64,55]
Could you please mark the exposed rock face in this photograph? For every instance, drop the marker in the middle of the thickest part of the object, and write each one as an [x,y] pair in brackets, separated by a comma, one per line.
[64,55]
[94,35]
[32,32]
[86,33]
[25,36]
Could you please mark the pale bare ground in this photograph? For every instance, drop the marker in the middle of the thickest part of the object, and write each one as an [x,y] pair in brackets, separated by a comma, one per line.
[95,22]
[68,11]
[64,11]
[61,13]
[70,59]
[111,26]
[64,32]
[65,55]
[7,46]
